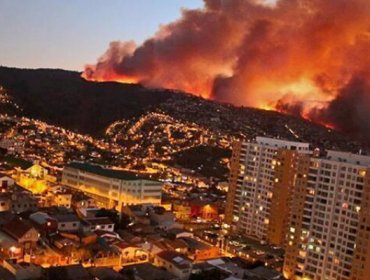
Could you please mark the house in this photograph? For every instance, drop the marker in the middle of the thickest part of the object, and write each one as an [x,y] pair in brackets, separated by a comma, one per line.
[5,201]
[228,266]
[81,200]
[62,199]
[129,237]
[175,263]
[162,219]
[5,182]
[199,250]
[182,211]
[102,223]
[33,177]
[178,233]
[10,248]
[205,210]
[177,245]
[130,253]
[104,255]
[138,213]
[23,233]
[44,223]
[67,221]
[23,201]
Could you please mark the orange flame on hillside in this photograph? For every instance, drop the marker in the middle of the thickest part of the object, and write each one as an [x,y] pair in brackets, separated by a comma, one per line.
[303,57]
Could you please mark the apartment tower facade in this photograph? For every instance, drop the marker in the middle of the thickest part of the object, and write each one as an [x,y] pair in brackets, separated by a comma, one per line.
[329,228]
[260,187]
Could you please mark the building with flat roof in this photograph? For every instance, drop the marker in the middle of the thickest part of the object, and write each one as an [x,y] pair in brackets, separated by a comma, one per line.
[260,187]
[110,187]
[329,229]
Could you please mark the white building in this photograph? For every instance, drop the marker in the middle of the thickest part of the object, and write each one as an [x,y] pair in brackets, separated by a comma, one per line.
[110,187]
[175,263]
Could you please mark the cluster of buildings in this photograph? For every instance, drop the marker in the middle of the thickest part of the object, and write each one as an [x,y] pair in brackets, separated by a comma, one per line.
[100,223]
[287,212]
[312,204]
[249,123]
[36,140]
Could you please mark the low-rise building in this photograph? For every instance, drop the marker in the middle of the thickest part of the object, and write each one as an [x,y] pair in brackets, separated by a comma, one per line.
[199,250]
[175,263]
[23,201]
[131,254]
[110,187]
[67,222]
[63,199]
[147,271]
[81,200]
[23,233]
[102,223]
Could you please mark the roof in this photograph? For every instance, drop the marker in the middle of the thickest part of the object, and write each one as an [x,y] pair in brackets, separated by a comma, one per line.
[122,245]
[147,271]
[176,259]
[265,273]
[40,217]
[100,221]
[68,217]
[18,162]
[105,273]
[17,228]
[77,197]
[195,244]
[71,272]
[5,175]
[176,243]
[105,172]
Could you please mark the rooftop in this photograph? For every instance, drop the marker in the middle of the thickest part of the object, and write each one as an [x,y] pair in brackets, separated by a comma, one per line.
[17,228]
[100,221]
[357,159]
[176,259]
[70,272]
[147,271]
[105,172]
[67,217]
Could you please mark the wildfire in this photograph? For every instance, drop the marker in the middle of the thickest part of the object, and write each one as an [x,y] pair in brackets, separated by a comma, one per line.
[304,57]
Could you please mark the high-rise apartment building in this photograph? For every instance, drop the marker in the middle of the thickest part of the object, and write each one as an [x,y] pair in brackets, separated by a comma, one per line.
[260,185]
[329,228]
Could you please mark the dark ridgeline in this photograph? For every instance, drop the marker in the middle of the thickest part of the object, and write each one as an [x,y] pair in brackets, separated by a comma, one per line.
[65,99]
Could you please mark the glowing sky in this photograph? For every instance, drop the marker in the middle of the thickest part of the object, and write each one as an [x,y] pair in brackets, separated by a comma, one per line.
[68,34]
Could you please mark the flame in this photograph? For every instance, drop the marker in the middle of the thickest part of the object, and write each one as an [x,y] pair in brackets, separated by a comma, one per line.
[295,57]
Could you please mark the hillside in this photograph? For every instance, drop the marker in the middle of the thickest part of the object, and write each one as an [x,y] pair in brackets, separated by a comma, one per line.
[64,99]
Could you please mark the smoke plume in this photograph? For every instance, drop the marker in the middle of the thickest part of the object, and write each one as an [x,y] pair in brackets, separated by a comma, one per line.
[303,57]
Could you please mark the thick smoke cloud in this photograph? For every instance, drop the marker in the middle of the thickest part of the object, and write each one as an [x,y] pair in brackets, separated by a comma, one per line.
[297,56]
[350,110]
